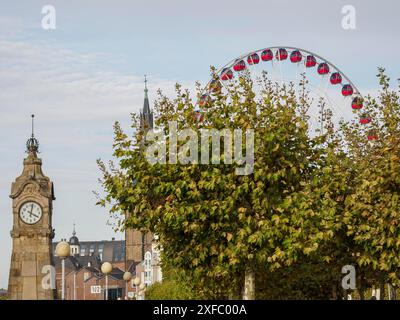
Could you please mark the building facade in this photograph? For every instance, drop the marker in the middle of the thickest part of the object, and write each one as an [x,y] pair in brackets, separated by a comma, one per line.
[84,280]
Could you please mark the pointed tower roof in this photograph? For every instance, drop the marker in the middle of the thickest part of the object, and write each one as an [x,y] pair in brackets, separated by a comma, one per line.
[146,104]
[74,239]
[146,115]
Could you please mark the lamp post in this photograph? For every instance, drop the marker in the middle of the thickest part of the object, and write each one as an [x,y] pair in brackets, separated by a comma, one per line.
[127,277]
[74,285]
[106,269]
[136,282]
[62,251]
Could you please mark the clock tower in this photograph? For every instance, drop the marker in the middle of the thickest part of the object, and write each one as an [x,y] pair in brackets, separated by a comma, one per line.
[32,196]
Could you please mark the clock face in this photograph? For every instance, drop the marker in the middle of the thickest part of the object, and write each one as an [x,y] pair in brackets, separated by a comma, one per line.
[30,212]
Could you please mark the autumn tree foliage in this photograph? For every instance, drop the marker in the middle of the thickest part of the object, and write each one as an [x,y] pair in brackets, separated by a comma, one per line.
[311,202]
[372,214]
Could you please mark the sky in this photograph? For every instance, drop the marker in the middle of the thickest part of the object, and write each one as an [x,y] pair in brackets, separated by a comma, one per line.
[87,73]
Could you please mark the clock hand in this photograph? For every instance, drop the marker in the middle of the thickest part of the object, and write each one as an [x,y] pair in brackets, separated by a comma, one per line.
[31,214]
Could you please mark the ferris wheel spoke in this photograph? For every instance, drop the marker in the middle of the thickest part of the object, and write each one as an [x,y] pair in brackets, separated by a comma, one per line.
[300,71]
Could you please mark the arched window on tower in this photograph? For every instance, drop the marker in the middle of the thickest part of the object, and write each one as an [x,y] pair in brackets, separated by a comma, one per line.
[148,274]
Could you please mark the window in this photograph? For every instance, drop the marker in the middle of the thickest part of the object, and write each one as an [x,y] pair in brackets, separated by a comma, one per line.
[147,256]
[100,250]
[83,251]
[147,268]
[91,249]
[114,294]
[118,254]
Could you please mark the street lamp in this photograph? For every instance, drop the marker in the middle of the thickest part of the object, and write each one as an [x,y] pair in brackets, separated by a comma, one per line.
[62,251]
[136,282]
[127,277]
[74,285]
[106,269]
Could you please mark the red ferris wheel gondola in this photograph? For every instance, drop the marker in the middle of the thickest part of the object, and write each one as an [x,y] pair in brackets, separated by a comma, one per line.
[281,54]
[336,78]
[239,65]
[357,102]
[253,58]
[226,74]
[267,55]
[310,61]
[365,119]
[323,68]
[347,90]
[296,56]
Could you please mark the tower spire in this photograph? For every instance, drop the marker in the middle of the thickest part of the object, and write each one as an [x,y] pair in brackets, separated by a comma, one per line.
[33,124]
[73,232]
[146,114]
[32,145]
[146,105]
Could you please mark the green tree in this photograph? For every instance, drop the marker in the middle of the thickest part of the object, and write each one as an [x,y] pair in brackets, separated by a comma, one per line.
[175,286]
[220,227]
[373,210]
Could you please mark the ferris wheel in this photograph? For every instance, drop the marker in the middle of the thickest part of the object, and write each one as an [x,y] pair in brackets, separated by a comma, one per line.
[327,86]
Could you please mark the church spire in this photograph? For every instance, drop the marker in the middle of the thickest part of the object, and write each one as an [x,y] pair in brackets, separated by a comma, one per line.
[73,232]
[146,104]
[145,87]
[32,145]
[146,116]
